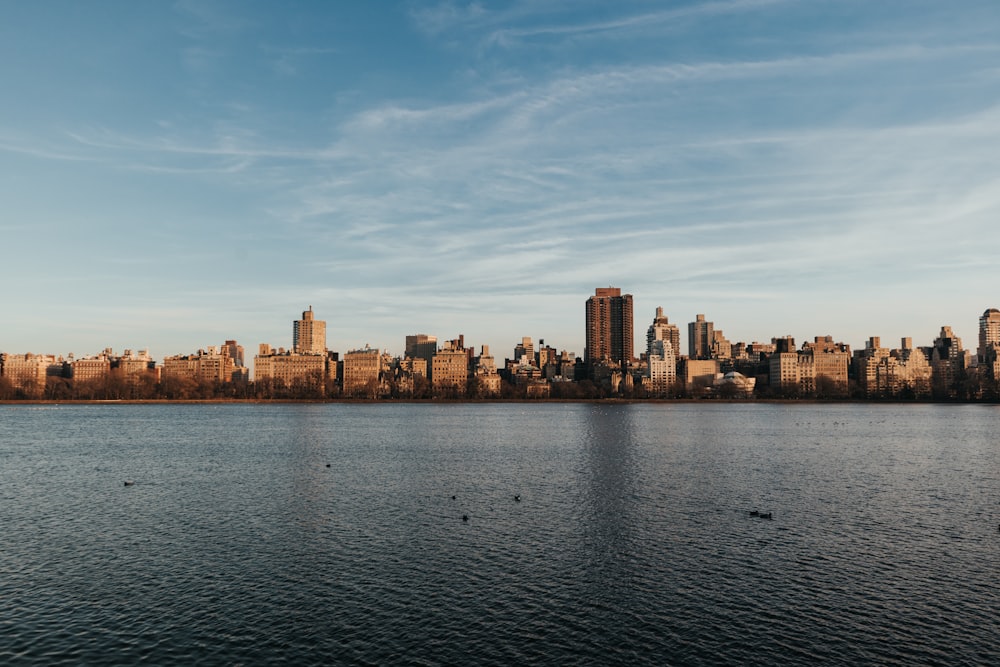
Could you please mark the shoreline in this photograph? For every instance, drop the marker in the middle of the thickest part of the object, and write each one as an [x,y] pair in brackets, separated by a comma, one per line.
[519,401]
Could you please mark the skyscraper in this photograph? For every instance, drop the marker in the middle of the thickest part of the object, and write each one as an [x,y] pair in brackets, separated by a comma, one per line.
[701,335]
[662,329]
[989,351]
[422,346]
[989,334]
[609,327]
[948,359]
[309,335]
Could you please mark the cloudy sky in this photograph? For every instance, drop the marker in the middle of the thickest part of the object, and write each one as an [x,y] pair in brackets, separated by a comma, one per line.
[179,173]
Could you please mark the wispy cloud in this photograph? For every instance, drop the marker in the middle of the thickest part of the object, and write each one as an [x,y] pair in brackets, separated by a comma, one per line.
[646,22]
[771,171]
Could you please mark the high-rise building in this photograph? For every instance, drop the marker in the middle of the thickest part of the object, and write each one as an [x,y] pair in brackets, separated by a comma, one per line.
[662,329]
[609,333]
[989,329]
[422,346]
[661,367]
[525,349]
[236,352]
[988,354]
[309,335]
[701,335]
[949,361]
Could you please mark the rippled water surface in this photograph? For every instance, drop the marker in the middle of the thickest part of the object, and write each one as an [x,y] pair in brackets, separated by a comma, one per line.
[328,534]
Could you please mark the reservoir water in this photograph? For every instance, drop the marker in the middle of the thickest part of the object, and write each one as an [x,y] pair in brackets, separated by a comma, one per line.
[593,534]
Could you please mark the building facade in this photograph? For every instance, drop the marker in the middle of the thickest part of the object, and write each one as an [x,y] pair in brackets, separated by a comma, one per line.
[212,364]
[450,369]
[361,373]
[309,334]
[289,369]
[27,373]
[609,333]
[988,353]
[701,336]
[662,329]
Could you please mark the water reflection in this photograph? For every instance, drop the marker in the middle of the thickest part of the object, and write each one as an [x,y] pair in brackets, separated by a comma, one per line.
[609,486]
[307,435]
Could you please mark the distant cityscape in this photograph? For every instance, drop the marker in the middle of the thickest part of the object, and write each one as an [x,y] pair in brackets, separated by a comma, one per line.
[713,367]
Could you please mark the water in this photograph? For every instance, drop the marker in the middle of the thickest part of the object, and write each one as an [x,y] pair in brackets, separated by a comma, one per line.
[632,541]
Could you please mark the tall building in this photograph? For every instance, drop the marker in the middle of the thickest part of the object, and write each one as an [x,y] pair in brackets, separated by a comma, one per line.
[988,353]
[989,330]
[609,333]
[485,372]
[309,335]
[422,346]
[949,361]
[662,329]
[236,352]
[661,367]
[701,336]
[525,349]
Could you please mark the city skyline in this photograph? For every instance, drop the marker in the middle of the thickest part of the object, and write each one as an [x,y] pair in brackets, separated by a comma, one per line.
[177,175]
[313,330]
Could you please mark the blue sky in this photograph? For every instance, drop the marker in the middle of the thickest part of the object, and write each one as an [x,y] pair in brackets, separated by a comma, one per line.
[178,174]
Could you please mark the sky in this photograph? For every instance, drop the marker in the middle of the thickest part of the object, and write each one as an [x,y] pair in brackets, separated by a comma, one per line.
[176,174]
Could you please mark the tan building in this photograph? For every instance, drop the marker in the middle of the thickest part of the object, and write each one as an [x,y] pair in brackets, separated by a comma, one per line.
[28,372]
[414,367]
[872,370]
[450,369]
[830,365]
[209,365]
[90,369]
[699,374]
[485,372]
[916,369]
[883,372]
[129,365]
[791,372]
[721,347]
[948,361]
[288,369]
[701,336]
[135,365]
[361,373]
[309,335]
